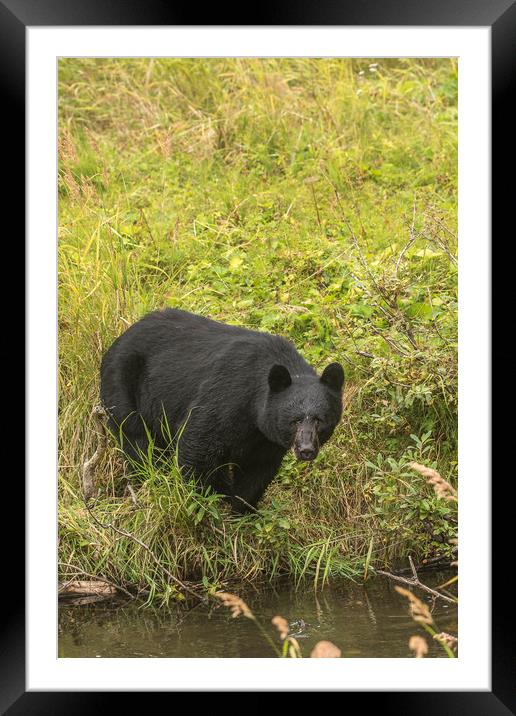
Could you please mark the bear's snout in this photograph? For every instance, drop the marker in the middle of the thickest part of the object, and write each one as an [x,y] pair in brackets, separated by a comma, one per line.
[307,454]
[306,442]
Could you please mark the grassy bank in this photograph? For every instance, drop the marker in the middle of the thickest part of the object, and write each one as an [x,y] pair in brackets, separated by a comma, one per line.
[311,198]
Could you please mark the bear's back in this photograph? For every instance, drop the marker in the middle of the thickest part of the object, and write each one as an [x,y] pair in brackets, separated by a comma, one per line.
[205,344]
[174,352]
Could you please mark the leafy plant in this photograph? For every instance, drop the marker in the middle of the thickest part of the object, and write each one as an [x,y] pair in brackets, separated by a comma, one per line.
[408,506]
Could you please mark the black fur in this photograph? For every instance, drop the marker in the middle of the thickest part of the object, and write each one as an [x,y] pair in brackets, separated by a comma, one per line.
[235,400]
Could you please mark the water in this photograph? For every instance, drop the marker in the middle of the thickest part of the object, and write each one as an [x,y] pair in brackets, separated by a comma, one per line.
[364,621]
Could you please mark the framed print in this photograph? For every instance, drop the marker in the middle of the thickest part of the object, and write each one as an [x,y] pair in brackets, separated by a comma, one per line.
[258,366]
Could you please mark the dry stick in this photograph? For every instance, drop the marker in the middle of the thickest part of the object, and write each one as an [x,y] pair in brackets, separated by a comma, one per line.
[414,582]
[316,207]
[253,509]
[440,243]
[142,213]
[411,239]
[428,564]
[389,341]
[443,226]
[88,469]
[124,533]
[390,318]
[377,305]
[130,490]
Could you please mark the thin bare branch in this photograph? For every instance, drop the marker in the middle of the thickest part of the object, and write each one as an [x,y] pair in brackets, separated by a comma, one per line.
[98,415]
[414,581]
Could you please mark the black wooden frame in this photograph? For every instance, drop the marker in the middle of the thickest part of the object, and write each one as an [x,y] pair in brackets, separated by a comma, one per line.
[500,16]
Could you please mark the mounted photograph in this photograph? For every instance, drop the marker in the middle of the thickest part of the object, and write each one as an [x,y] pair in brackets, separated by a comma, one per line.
[258,357]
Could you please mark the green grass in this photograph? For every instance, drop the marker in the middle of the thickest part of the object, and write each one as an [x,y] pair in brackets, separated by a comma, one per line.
[311,198]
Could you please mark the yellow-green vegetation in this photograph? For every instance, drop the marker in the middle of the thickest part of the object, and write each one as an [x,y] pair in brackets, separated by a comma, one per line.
[314,198]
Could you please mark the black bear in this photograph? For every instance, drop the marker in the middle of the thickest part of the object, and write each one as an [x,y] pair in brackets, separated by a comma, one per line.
[234,400]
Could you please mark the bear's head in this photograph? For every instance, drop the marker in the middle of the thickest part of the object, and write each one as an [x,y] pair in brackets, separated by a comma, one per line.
[302,411]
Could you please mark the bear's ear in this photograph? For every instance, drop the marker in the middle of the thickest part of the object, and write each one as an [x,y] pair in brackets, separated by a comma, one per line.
[279,378]
[333,376]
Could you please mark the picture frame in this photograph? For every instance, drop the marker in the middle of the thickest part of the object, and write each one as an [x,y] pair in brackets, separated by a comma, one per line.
[15,18]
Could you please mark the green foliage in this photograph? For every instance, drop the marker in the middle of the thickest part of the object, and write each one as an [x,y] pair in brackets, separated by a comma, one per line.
[407,506]
[315,198]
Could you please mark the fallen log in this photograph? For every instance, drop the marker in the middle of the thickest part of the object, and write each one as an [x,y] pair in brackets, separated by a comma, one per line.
[81,588]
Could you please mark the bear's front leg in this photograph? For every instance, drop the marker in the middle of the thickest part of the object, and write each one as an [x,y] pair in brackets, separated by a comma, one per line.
[250,482]
[206,463]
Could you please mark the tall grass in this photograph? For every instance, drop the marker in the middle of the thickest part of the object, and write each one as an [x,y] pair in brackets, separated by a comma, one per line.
[314,198]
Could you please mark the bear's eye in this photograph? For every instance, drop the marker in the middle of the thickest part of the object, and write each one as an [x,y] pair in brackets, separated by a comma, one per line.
[296,422]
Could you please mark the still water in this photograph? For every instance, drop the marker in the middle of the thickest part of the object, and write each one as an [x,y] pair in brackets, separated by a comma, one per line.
[369,620]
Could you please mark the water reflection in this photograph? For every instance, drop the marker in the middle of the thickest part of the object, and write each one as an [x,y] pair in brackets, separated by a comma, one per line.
[363,620]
